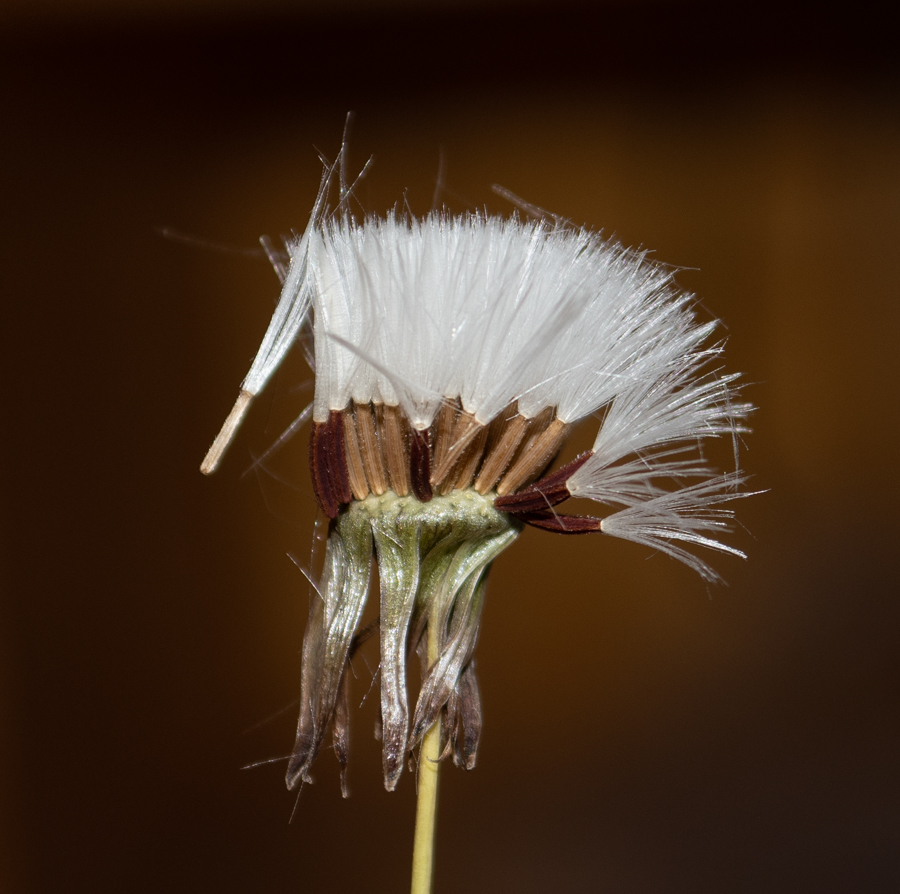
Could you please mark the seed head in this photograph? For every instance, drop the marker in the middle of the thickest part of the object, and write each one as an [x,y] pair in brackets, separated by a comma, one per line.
[452,356]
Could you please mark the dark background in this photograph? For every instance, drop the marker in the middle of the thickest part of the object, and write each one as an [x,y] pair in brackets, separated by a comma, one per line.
[643,732]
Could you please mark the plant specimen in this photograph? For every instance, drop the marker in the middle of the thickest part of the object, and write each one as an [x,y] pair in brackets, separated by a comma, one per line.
[452,357]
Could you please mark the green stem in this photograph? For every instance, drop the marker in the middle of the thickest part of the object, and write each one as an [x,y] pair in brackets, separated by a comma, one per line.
[426,805]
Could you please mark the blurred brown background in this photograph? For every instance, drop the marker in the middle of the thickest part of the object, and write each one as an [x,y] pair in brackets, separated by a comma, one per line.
[643,734]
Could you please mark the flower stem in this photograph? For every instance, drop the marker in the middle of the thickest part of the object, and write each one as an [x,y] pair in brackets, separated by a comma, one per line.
[426,805]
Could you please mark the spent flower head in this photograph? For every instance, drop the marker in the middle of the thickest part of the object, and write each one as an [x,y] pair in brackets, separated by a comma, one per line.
[452,357]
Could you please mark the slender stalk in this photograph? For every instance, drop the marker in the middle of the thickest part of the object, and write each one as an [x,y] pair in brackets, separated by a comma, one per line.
[426,805]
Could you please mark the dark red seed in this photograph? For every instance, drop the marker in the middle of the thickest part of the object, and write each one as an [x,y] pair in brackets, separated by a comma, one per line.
[420,465]
[540,496]
[561,524]
[338,460]
[319,449]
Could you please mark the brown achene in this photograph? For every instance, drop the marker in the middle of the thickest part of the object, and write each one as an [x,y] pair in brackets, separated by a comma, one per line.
[370,448]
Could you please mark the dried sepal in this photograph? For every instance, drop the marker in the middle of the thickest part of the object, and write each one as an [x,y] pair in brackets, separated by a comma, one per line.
[466,576]
[341,728]
[335,611]
[465,752]
[397,549]
[450,724]
[433,559]
[461,721]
